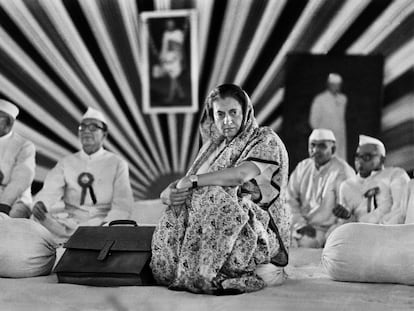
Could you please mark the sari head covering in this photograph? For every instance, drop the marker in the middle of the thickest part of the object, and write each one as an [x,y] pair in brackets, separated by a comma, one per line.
[208,128]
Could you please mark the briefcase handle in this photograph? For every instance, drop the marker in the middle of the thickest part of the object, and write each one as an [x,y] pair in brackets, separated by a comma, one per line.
[123,222]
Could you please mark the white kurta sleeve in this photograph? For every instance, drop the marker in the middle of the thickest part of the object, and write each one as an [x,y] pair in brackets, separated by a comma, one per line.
[293,199]
[22,174]
[345,196]
[341,194]
[408,212]
[122,200]
[53,188]
[398,188]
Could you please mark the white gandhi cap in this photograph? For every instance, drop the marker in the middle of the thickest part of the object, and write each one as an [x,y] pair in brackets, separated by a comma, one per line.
[367,140]
[92,113]
[322,134]
[9,108]
[334,78]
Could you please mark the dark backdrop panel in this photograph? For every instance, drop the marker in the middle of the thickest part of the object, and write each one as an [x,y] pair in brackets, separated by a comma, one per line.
[306,76]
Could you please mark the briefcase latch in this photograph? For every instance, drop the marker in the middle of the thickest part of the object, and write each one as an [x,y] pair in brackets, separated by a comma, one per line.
[105,250]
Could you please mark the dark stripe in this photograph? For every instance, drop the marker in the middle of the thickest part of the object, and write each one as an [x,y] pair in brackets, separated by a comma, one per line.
[403,33]
[399,136]
[216,22]
[278,112]
[287,20]
[144,5]
[277,82]
[324,14]
[249,29]
[20,38]
[399,87]
[44,161]
[82,25]
[360,25]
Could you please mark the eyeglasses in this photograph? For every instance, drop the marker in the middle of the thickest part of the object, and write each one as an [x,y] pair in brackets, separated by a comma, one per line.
[91,127]
[365,156]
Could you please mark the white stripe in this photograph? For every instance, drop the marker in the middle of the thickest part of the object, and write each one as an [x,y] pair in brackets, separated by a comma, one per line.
[398,112]
[302,24]
[340,22]
[264,30]
[379,30]
[402,157]
[234,19]
[399,62]
[270,106]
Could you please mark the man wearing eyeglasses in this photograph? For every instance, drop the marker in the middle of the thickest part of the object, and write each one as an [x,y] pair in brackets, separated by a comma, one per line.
[90,187]
[376,193]
[17,165]
[313,190]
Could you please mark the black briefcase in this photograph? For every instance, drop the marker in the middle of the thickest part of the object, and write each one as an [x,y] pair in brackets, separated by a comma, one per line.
[108,256]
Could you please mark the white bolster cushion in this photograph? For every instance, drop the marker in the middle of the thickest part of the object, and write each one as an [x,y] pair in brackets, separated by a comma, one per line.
[27,248]
[360,252]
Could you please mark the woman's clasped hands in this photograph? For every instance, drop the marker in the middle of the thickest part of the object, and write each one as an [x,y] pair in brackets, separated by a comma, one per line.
[175,197]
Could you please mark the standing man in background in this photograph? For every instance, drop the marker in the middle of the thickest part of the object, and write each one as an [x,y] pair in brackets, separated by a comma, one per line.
[328,111]
[17,165]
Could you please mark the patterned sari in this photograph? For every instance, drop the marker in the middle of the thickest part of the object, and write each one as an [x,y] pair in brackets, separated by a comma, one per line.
[215,244]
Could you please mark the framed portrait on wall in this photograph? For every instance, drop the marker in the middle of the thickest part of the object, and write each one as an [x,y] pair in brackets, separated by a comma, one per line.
[340,92]
[169,50]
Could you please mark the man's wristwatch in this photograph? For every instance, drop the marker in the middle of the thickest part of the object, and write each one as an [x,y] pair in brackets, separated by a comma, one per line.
[194,180]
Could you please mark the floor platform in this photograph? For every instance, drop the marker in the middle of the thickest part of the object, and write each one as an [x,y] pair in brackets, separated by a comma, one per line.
[307,288]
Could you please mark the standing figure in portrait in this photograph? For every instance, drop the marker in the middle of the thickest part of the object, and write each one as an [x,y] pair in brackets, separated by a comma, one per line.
[171,58]
[328,111]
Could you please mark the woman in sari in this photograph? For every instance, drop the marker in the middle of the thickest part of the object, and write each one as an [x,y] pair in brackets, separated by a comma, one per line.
[226,228]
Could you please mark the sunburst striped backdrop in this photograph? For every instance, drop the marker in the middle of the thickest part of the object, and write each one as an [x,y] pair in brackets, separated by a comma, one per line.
[59,56]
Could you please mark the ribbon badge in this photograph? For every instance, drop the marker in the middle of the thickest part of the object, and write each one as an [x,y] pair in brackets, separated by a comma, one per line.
[85,180]
[371,195]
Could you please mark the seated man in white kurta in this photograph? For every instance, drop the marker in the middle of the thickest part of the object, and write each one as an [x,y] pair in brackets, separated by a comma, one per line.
[376,194]
[313,190]
[89,188]
[17,165]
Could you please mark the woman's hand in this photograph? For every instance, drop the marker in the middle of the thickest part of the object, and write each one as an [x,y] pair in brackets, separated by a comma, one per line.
[178,196]
[174,197]
[184,183]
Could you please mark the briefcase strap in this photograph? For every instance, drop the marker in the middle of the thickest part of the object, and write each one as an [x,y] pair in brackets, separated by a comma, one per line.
[105,250]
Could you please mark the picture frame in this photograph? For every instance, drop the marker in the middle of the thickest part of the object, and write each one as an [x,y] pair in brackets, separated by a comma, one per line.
[170,61]
[306,77]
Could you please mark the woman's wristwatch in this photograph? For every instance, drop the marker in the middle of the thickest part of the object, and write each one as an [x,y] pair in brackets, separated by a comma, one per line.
[194,180]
